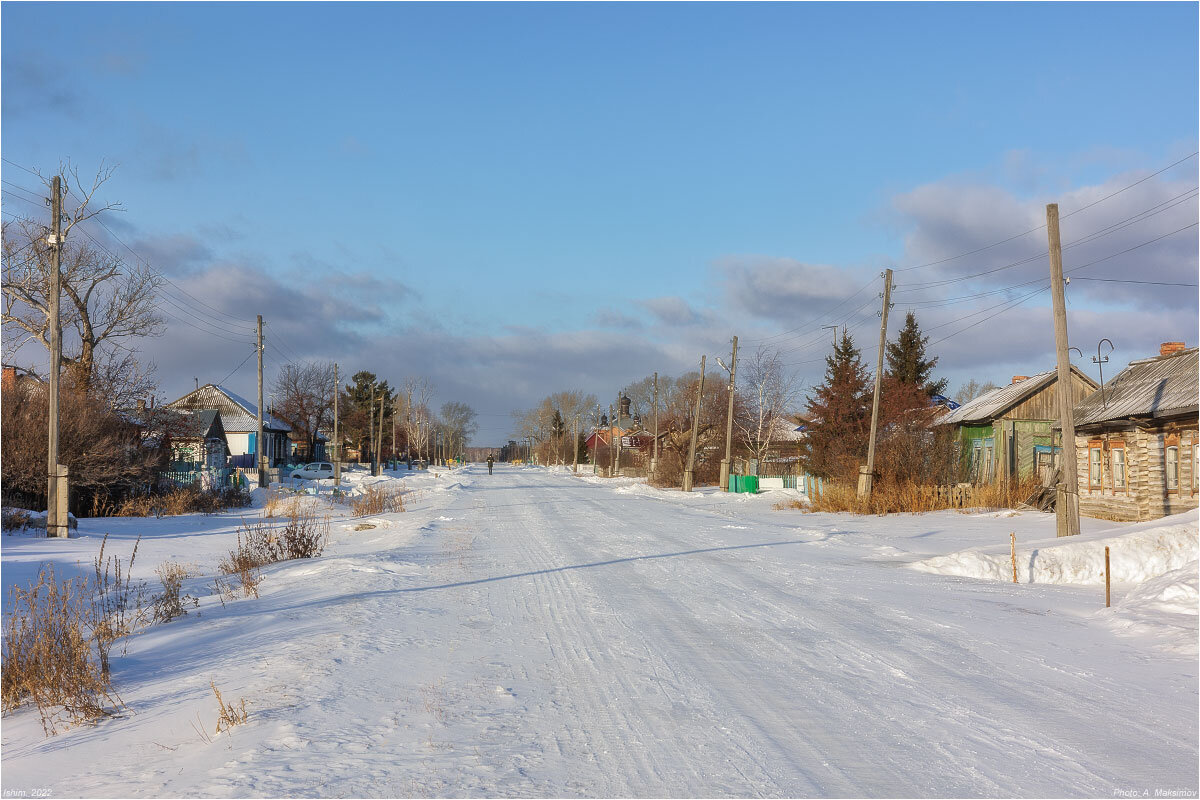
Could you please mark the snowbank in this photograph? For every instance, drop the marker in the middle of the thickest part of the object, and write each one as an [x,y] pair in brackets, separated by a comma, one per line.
[1164,608]
[1138,553]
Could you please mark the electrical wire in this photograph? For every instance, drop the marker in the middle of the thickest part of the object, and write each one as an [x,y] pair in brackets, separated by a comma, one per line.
[235,369]
[1040,227]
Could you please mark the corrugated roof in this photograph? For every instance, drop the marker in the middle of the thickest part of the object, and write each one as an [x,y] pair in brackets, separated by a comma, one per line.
[990,405]
[238,415]
[1151,387]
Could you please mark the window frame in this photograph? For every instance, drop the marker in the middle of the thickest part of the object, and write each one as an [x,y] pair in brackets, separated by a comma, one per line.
[1113,449]
[1095,467]
[1167,465]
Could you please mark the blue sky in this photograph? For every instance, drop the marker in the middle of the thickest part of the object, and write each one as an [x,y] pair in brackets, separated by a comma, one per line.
[508,196]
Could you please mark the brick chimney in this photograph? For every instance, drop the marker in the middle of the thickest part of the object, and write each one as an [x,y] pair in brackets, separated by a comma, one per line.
[1170,348]
[10,378]
[1019,378]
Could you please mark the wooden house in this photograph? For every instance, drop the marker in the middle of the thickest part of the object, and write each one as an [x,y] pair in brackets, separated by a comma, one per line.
[239,421]
[1136,440]
[1006,433]
[197,439]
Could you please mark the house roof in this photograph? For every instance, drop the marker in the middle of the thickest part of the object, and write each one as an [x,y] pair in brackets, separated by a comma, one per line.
[990,405]
[199,424]
[1151,387]
[238,415]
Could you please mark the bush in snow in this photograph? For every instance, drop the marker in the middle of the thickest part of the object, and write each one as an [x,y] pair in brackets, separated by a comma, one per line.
[52,653]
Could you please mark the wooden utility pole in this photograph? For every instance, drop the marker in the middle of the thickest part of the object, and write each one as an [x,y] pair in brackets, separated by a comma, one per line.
[725,462]
[260,459]
[619,436]
[337,454]
[378,443]
[866,474]
[575,444]
[596,440]
[55,527]
[1066,506]
[689,475]
[654,458]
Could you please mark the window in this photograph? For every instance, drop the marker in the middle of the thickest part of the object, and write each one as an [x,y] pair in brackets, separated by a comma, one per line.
[1118,467]
[1173,468]
[1094,466]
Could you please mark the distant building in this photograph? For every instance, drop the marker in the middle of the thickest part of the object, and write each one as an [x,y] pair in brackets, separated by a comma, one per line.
[239,421]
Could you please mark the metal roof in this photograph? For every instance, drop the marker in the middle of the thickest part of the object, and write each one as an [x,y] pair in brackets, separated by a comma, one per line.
[1151,387]
[990,405]
[237,414]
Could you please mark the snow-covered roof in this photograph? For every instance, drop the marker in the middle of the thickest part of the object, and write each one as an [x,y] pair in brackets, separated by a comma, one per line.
[238,415]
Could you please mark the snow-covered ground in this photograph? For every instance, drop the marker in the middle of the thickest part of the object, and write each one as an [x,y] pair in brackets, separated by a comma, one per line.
[538,633]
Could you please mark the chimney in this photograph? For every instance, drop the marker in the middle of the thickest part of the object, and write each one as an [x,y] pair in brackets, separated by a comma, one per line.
[1019,378]
[1171,348]
[141,407]
[10,378]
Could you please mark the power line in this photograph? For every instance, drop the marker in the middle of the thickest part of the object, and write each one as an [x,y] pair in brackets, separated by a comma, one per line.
[100,222]
[812,322]
[1013,305]
[1147,283]
[1040,227]
[235,369]
[1107,230]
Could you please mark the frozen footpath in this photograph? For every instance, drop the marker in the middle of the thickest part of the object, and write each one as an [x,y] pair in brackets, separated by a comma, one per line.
[535,633]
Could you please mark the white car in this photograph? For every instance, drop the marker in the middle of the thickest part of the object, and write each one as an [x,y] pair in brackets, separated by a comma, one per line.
[314,471]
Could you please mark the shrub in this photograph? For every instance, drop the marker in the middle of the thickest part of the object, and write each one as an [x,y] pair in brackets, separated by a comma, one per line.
[119,602]
[908,497]
[261,543]
[49,633]
[15,519]
[228,714]
[171,603]
[173,502]
[377,500]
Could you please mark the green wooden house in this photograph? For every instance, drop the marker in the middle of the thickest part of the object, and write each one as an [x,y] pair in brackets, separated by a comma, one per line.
[1006,433]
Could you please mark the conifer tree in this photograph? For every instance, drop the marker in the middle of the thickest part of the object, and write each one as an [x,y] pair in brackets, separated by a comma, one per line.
[840,410]
[907,362]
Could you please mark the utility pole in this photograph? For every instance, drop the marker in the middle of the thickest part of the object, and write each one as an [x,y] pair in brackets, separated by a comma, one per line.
[725,462]
[337,455]
[654,458]
[55,527]
[260,460]
[378,443]
[620,437]
[689,474]
[575,444]
[611,435]
[1066,507]
[866,475]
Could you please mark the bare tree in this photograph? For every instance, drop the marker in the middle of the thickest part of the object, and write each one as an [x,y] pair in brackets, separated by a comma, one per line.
[458,420]
[107,301]
[972,389]
[304,399]
[418,419]
[770,393]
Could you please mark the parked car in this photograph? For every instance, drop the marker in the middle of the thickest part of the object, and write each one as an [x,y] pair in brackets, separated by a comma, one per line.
[314,471]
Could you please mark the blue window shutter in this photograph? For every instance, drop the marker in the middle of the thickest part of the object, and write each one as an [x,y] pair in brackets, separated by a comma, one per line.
[253,441]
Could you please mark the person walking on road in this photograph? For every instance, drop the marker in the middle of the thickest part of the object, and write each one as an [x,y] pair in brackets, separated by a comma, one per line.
[491,460]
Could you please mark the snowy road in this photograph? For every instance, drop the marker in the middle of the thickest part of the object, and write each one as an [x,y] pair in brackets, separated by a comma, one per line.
[534,633]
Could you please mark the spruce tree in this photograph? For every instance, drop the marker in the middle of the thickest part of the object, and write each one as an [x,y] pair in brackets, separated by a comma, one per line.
[906,360]
[840,410]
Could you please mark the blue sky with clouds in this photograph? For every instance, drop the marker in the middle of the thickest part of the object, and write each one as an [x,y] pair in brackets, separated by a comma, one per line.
[520,198]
